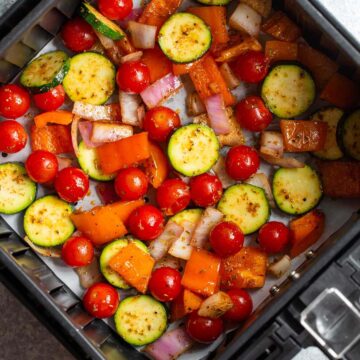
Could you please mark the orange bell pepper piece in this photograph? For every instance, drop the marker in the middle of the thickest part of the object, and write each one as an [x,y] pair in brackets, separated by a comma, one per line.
[159,65]
[134,265]
[123,153]
[156,166]
[60,117]
[202,273]
[281,50]
[305,231]
[303,135]
[184,304]
[182,69]
[53,138]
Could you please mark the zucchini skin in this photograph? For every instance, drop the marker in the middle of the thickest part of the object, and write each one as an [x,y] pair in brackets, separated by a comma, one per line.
[347,148]
[214,2]
[5,207]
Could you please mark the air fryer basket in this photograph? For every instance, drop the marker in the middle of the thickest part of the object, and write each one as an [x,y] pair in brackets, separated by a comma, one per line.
[22,43]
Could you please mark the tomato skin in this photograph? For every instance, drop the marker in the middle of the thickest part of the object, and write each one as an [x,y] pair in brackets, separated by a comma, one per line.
[205,190]
[42,166]
[14,101]
[202,329]
[50,100]
[274,236]
[77,251]
[131,184]
[160,122]
[78,35]
[115,9]
[241,162]
[251,67]
[252,114]
[146,222]
[101,300]
[133,76]
[242,307]
[173,196]
[226,239]
[165,284]
[13,136]
[71,184]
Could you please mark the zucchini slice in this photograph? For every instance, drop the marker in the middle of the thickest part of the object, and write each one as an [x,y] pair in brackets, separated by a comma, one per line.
[17,190]
[214,2]
[46,71]
[47,221]
[297,190]
[190,215]
[331,116]
[246,205]
[109,252]
[140,320]
[91,78]
[100,23]
[349,134]
[193,149]
[288,90]
[88,161]
[184,38]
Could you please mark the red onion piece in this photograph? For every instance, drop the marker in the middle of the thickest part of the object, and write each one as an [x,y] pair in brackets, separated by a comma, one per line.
[171,345]
[109,132]
[96,112]
[129,105]
[272,144]
[134,15]
[143,36]
[160,90]
[217,114]
[132,57]
[63,162]
[85,128]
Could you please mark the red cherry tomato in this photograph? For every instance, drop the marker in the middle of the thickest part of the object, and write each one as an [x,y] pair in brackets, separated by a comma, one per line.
[14,101]
[252,114]
[173,196]
[50,100]
[242,305]
[146,222]
[101,300]
[226,239]
[241,162]
[78,35]
[160,122]
[202,329]
[165,284]
[115,9]
[205,190]
[13,137]
[273,236]
[42,166]
[133,76]
[251,66]
[131,184]
[72,184]
[78,251]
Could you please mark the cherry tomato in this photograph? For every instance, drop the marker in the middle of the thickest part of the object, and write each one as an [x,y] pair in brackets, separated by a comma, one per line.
[115,9]
[274,236]
[14,101]
[50,100]
[78,251]
[226,239]
[160,122]
[165,284]
[146,222]
[72,184]
[13,137]
[133,76]
[173,196]
[101,300]
[242,307]
[241,162]
[78,35]
[131,184]
[42,166]
[205,190]
[252,114]
[203,329]
[251,66]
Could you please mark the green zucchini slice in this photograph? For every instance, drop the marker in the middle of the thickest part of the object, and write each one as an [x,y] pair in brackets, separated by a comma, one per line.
[184,38]
[296,190]
[349,134]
